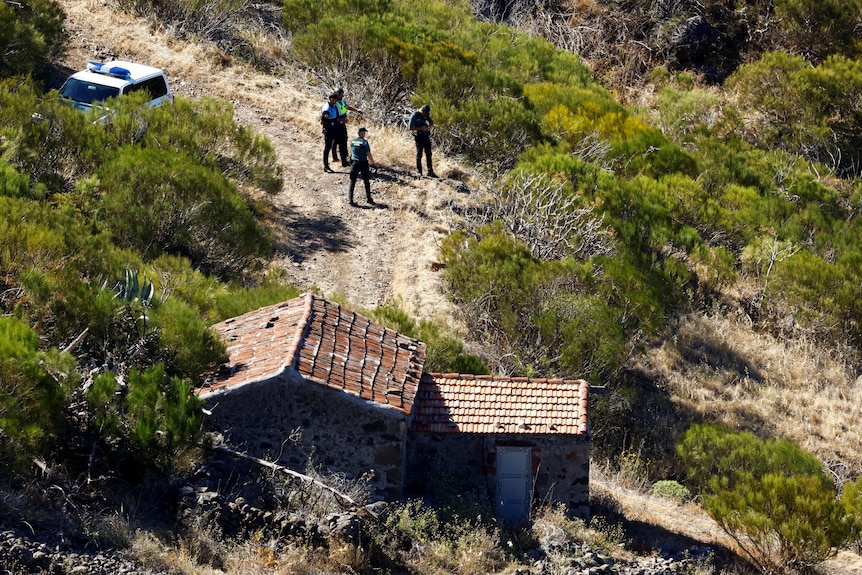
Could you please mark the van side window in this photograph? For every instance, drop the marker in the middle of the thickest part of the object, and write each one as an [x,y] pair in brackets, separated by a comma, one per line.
[155,87]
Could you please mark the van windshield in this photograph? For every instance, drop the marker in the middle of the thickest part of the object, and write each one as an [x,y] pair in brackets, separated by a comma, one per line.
[87,92]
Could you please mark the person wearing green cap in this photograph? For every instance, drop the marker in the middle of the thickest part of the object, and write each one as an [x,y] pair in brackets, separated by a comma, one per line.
[360,159]
[420,126]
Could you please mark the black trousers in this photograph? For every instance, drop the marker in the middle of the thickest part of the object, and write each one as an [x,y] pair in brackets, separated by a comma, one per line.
[341,141]
[358,169]
[423,144]
[330,134]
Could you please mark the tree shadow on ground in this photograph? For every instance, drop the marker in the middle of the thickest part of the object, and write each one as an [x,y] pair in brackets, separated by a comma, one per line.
[647,539]
[702,349]
[300,236]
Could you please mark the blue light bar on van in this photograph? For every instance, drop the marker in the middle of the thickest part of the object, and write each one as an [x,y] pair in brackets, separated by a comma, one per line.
[115,71]
[119,72]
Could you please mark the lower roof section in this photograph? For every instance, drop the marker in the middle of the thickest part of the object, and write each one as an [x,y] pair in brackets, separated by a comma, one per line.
[458,403]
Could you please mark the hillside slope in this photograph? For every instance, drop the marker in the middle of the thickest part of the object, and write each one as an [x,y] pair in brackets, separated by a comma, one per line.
[363,256]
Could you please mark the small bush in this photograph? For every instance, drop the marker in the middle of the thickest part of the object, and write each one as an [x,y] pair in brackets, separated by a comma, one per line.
[151,422]
[773,498]
[670,489]
[31,399]
[448,542]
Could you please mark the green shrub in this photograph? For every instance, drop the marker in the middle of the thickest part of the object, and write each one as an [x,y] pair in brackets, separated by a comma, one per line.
[39,149]
[445,353]
[301,14]
[820,294]
[31,34]
[205,130]
[685,111]
[491,271]
[590,102]
[14,184]
[819,28]
[547,317]
[474,128]
[773,498]
[232,302]
[187,345]
[586,333]
[851,501]
[670,489]
[34,390]
[152,422]
[648,152]
[158,201]
[806,110]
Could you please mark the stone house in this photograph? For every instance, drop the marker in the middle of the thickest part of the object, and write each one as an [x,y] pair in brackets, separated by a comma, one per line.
[308,381]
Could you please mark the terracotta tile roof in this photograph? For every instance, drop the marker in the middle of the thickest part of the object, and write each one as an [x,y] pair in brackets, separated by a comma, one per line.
[451,403]
[323,343]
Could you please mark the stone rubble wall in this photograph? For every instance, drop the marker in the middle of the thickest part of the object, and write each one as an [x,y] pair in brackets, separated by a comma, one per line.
[299,424]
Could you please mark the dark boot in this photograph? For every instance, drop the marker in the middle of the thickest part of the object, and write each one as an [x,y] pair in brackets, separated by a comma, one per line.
[431,173]
[350,192]
[342,150]
[368,193]
[326,167]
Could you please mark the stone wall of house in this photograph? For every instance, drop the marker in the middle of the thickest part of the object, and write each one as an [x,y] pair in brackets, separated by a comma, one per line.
[305,422]
[561,465]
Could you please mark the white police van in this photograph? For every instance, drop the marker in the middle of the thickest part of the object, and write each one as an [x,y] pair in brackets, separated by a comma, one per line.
[101,81]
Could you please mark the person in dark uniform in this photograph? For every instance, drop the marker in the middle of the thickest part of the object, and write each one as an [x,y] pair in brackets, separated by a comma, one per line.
[420,126]
[360,159]
[329,121]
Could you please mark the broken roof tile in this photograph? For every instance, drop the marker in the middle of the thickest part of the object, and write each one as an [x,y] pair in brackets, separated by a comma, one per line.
[324,343]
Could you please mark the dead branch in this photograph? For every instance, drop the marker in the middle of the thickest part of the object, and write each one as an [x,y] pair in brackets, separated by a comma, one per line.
[274,466]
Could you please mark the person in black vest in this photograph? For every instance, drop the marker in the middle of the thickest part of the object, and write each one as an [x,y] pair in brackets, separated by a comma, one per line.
[360,159]
[420,126]
[329,121]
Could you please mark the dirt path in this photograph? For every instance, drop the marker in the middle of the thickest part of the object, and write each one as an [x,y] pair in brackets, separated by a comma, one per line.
[361,256]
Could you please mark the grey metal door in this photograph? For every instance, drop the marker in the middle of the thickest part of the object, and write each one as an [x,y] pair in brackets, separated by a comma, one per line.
[514,483]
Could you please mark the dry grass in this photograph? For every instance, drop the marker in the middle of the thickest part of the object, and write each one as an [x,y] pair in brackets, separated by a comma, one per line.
[723,371]
[677,517]
[194,556]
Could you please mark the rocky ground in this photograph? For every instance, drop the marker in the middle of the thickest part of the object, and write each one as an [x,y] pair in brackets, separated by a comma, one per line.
[224,493]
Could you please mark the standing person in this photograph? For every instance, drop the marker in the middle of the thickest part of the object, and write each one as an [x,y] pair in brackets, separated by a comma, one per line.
[360,158]
[420,125]
[329,121]
[343,107]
